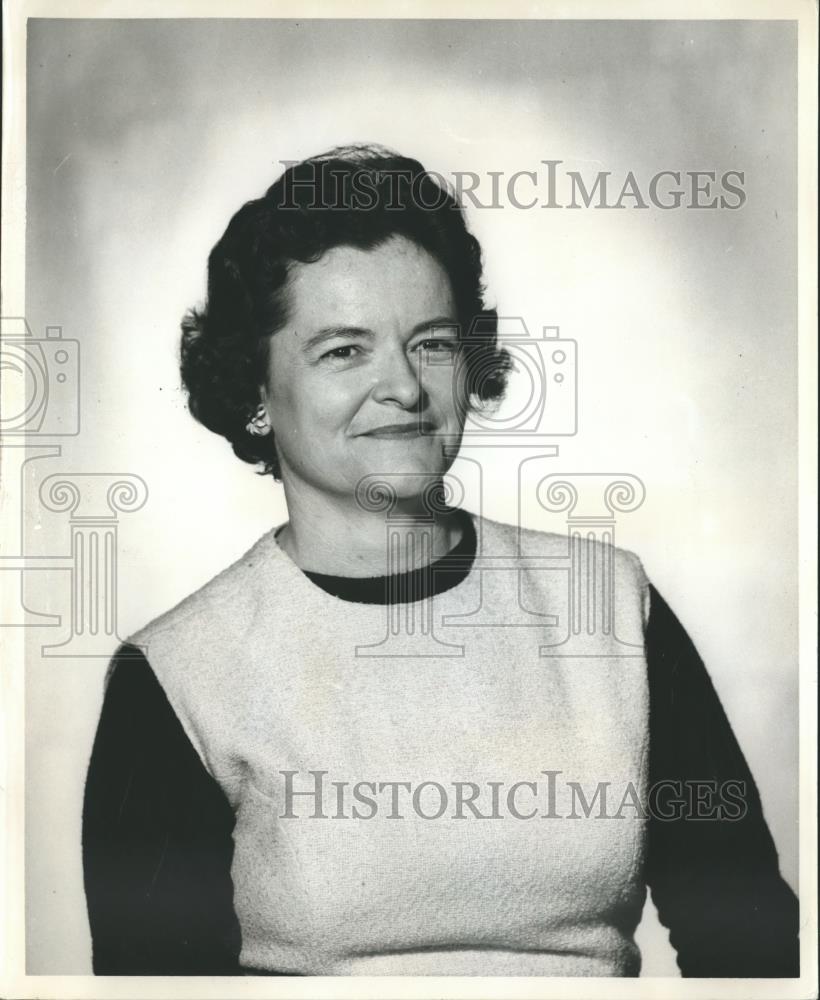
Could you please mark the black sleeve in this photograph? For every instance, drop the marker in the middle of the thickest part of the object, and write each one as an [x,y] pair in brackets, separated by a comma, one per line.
[715,881]
[157,845]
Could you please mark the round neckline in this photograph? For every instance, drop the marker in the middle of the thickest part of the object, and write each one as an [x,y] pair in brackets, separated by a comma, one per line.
[441,575]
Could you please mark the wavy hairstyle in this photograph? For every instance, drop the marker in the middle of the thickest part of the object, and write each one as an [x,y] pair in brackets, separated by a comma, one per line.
[356,196]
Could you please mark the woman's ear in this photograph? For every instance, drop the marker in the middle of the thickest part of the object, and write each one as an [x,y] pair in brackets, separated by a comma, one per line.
[259,423]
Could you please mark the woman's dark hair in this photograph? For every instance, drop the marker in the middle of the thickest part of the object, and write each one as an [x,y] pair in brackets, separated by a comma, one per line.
[356,196]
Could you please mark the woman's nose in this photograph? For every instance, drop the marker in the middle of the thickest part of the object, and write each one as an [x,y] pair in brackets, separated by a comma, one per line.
[398,380]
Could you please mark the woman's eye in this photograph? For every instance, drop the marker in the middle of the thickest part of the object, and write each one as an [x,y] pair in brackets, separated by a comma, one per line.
[340,353]
[437,345]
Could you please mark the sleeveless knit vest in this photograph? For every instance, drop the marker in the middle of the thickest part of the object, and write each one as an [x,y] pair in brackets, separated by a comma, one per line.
[450,786]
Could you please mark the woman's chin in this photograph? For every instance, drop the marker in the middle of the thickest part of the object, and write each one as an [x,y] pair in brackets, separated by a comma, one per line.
[404,481]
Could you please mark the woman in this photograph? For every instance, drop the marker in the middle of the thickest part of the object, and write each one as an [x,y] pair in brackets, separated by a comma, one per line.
[324,761]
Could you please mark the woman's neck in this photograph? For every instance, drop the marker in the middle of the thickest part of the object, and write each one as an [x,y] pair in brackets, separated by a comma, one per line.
[327,536]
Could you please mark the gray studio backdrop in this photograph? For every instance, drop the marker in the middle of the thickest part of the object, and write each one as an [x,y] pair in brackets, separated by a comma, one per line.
[144,137]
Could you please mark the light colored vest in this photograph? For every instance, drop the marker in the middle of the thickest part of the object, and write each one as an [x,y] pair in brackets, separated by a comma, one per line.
[533,663]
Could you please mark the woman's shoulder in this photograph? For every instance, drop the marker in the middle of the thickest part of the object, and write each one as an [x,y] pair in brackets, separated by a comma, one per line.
[217,601]
[503,538]
[585,557]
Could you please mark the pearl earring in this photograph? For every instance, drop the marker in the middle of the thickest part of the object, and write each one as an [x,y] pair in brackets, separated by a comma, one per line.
[258,424]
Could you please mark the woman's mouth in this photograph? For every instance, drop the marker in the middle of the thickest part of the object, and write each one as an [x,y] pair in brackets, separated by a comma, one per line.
[402,431]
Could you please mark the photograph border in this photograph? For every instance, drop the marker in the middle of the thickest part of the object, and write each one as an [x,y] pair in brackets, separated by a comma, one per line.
[13,980]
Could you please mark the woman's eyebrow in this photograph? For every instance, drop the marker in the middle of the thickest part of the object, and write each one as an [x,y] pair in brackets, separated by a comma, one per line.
[430,324]
[349,332]
[337,331]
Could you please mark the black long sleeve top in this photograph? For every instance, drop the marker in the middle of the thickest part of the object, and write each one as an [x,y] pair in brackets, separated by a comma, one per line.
[157,844]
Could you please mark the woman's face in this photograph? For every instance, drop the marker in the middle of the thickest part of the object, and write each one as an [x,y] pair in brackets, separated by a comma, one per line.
[370,344]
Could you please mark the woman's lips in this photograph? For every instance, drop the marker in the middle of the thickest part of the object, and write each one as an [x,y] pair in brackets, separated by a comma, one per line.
[401,431]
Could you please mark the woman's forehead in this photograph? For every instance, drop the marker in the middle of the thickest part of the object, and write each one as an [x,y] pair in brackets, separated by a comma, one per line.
[396,280]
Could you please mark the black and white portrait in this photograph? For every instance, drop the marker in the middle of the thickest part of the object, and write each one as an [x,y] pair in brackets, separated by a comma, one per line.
[401,449]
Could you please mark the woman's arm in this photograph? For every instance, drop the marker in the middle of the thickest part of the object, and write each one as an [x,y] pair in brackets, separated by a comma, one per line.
[157,845]
[715,882]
